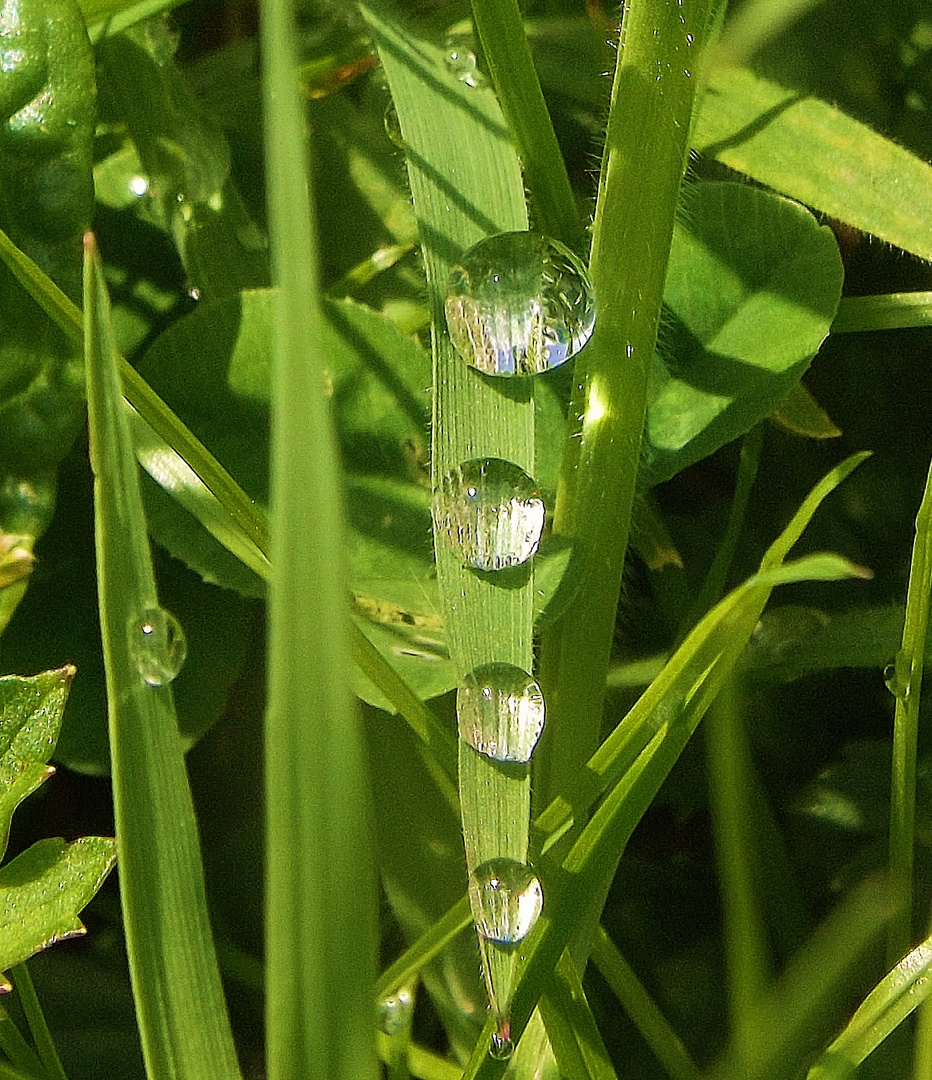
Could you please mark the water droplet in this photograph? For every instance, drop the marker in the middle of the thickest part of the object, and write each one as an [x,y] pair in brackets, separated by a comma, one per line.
[491,510]
[500,712]
[506,900]
[896,675]
[393,126]
[395,1011]
[519,304]
[462,63]
[159,646]
[501,1047]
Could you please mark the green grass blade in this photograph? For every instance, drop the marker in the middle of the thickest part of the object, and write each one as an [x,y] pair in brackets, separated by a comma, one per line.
[574,1035]
[642,1009]
[643,163]
[896,995]
[892,311]
[176,984]
[904,679]
[501,32]
[812,152]
[38,1027]
[320,899]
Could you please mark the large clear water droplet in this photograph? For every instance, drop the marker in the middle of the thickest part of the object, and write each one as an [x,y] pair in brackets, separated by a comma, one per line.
[158,645]
[506,900]
[500,712]
[519,304]
[395,1011]
[492,511]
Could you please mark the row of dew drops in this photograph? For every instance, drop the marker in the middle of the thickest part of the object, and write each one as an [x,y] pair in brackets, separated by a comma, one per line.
[518,304]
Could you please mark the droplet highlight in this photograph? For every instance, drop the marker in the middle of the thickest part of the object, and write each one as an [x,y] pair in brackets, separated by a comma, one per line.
[519,303]
[506,900]
[501,1047]
[463,64]
[158,645]
[491,510]
[395,1011]
[500,712]
[896,676]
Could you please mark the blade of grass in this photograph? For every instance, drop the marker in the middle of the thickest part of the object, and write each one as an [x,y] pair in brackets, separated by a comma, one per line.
[501,32]
[896,995]
[38,1027]
[905,681]
[320,884]
[574,1034]
[643,1010]
[891,311]
[180,1007]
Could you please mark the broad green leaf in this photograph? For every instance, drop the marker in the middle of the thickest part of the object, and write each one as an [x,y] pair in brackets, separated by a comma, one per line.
[42,891]
[179,1000]
[813,152]
[30,719]
[751,290]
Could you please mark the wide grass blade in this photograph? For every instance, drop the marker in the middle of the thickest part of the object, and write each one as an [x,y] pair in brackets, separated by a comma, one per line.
[176,984]
[320,899]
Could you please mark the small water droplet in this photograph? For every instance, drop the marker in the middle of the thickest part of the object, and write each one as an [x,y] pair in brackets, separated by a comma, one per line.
[519,304]
[462,63]
[395,1011]
[896,676]
[393,126]
[501,1047]
[491,510]
[506,900]
[500,712]
[158,645]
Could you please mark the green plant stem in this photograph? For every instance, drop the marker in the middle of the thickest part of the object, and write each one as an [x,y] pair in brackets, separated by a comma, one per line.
[645,156]
[745,944]
[37,1025]
[12,1043]
[890,311]
[907,685]
[501,33]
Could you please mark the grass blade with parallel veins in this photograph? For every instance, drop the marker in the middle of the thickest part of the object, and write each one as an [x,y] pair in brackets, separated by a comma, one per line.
[176,983]
[320,885]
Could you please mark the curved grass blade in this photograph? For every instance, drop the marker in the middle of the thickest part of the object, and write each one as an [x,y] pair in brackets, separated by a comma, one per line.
[320,894]
[901,991]
[180,1006]
[891,311]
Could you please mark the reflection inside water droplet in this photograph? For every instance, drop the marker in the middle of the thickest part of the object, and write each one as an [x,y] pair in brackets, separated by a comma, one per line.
[896,675]
[506,900]
[500,712]
[491,510]
[501,1047]
[395,1011]
[519,304]
[462,63]
[158,645]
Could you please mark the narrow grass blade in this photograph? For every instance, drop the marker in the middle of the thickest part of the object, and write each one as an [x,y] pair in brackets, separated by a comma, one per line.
[574,1035]
[642,1009]
[896,995]
[466,184]
[812,152]
[501,32]
[891,311]
[38,1027]
[176,984]
[904,680]
[320,899]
